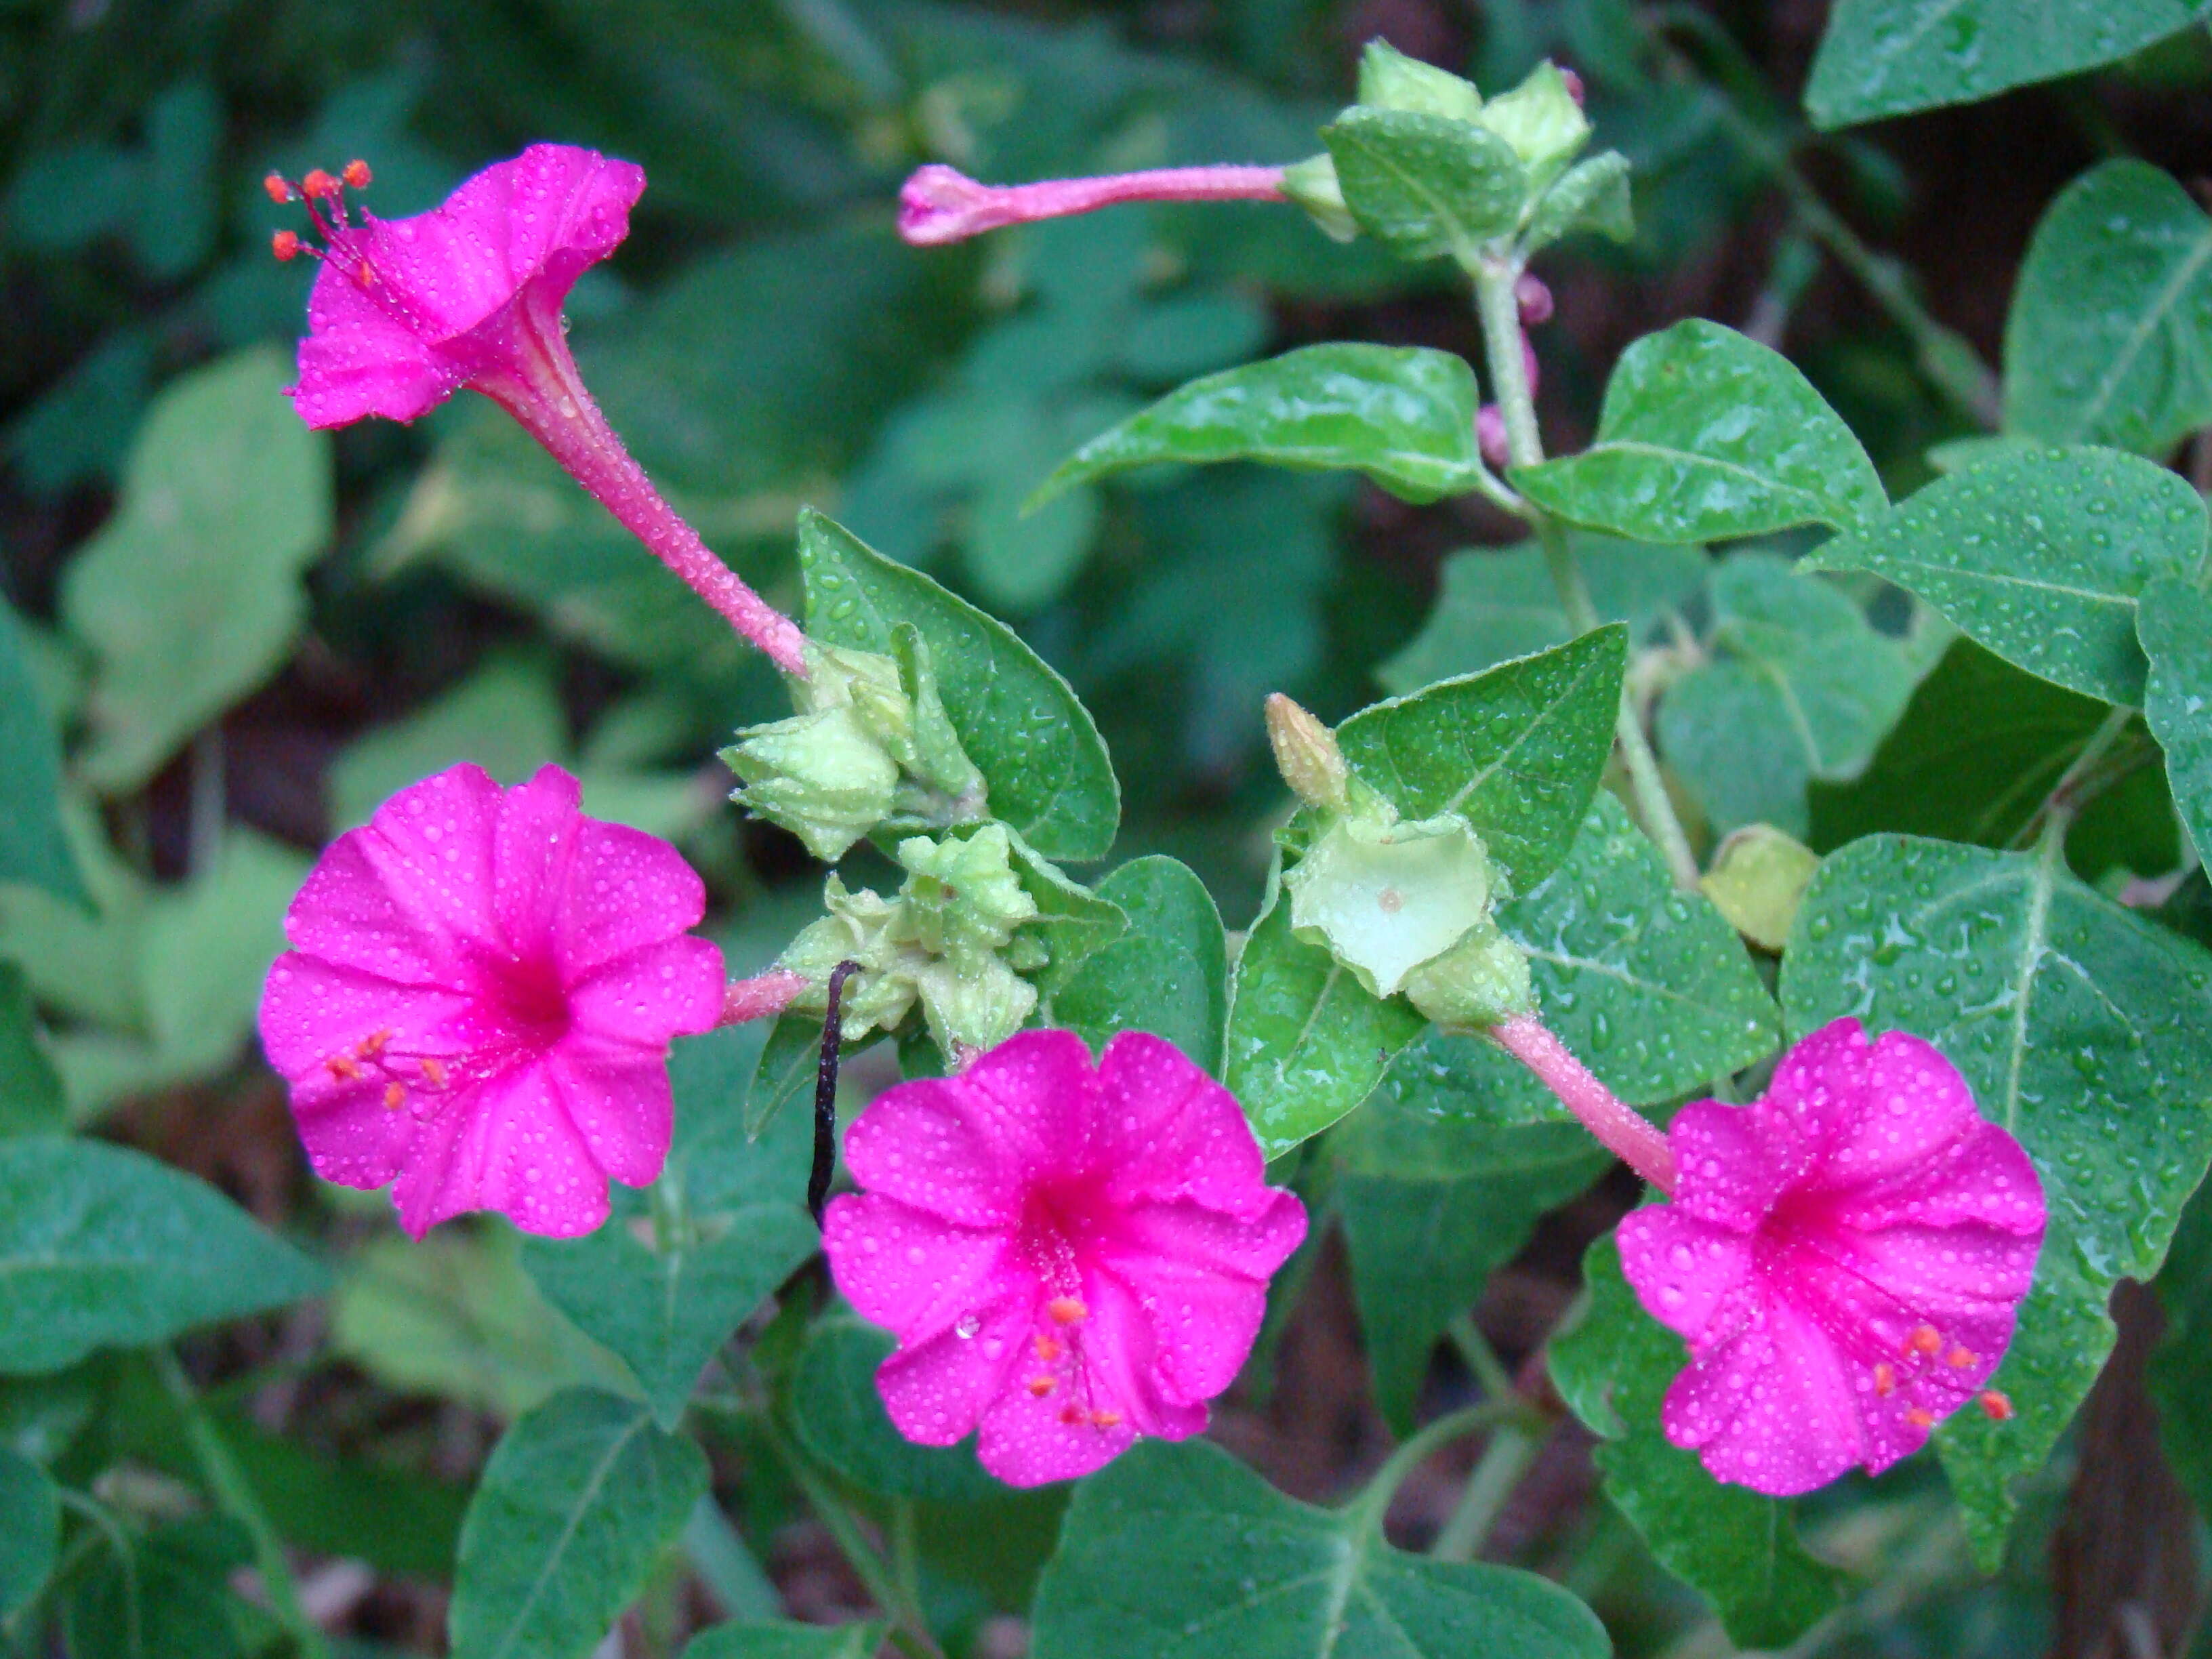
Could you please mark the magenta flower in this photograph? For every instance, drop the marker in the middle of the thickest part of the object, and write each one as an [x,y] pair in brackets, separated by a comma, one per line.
[479,1000]
[407,311]
[1069,1257]
[1846,1258]
[941,205]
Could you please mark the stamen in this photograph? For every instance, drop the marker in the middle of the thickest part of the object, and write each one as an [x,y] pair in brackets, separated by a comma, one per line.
[1106,1420]
[434,1070]
[394,1096]
[357,174]
[1066,1310]
[1884,1379]
[374,1043]
[1959,1358]
[365,274]
[1047,1349]
[1072,1416]
[279,188]
[1997,1406]
[1919,1419]
[319,185]
[342,1067]
[1041,1386]
[1925,1339]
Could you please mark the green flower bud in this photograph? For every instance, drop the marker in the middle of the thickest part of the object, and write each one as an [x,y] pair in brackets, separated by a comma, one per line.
[1384,897]
[962,898]
[1307,756]
[823,776]
[1541,119]
[860,927]
[1480,981]
[973,1005]
[1757,879]
[1312,185]
[1390,80]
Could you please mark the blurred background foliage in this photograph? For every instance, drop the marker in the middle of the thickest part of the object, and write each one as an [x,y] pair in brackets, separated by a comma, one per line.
[244,635]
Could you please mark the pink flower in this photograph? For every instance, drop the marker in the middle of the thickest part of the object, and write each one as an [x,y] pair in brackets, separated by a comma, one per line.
[407,311]
[479,1002]
[1846,1258]
[941,205]
[1069,1257]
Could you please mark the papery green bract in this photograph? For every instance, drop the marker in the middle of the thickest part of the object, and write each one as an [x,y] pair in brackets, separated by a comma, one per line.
[2040,556]
[1706,434]
[2079,1027]
[1543,122]
[1180,1549]
[1592,196]
[1384,895]
[1390,80]
[2175,622]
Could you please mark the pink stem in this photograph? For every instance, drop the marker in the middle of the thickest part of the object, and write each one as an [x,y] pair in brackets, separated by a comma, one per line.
[941,205]
[764,994]
[545,393]
[1624,1131]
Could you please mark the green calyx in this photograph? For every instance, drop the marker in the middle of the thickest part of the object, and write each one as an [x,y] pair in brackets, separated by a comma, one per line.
[869,744]
[1390,80]
[1541,119]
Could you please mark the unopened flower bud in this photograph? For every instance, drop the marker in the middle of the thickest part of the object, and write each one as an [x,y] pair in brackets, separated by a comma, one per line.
[822,776]
[1533,299]
[1307,756]
[1384,897]
[1390,80]
[1544,123]
[1480,982]
[973,1005]
[1312,184]
[1757,879]
[962,896]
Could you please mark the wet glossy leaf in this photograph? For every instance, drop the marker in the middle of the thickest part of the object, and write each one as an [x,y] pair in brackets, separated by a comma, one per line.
[1176,1548]
[2041,558]
[30,1529]
[32,847]
[2080,1026]
[1799,687]
[2176,625]
[104,1247]
[782,1639]
[190,595]
[577,1505]
[673,1272]
[1169,975]
[839,1419]
[1426,185]
[1402,414]
[1889,56]
[1515,751]
[2110,337]
[30,1090]
[1493,604]
[1041,756]
[1706,434]
[1739,1548]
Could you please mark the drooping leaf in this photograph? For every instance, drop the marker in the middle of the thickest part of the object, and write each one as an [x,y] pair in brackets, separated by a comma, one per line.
[1176,1548]
[104,1247]
[1169,975]
[190,595]
[2079,1026]
[1426,185]
[1706,434]
[1883,57]
[782,1639]
[1402,414]
[1740,1549]
[2042,557]
[839,1419]
[671,1274]
[2176,625]
[1515,751]
[32,847]
[30,1529]
[30,1090]
[575,1507]
[1042,762]
[2109,340]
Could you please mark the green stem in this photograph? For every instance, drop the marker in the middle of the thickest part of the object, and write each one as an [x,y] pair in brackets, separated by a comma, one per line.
[2069,795]
[1501,337]
[1480,1358]
[1374,1499]
[234,1493]
[1508,1456]
[880,1582]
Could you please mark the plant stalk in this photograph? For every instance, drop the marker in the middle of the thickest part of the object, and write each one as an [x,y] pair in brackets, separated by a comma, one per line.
[1512,1449]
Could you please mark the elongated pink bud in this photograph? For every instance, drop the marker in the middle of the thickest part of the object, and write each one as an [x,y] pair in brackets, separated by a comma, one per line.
[943,205]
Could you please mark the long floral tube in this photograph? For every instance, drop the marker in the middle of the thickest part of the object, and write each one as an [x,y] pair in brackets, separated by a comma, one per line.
[1625,1132]
[942,204]
[762,995]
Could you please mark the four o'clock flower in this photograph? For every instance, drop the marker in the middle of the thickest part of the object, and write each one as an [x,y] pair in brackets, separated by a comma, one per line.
[407,311]
[479,999]
[1846,1258]
[941,205]
[1070,1255]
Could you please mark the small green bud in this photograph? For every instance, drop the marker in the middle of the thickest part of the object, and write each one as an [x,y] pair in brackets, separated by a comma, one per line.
[973,1005]
[1390,80]
[1307,756]
[860,927]
[1758,880]
[964,896]
[1384,897]
[1541,119]
[1312,185]
[1480,981]
[823,776]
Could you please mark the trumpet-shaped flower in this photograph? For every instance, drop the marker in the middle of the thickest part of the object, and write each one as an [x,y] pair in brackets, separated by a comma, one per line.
[479,1000]
[1070,1255]
[1846,1258]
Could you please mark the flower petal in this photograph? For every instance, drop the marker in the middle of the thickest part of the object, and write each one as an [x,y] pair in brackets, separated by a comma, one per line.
[1038,1098]
[1771,1408]
[360,359]
[1823,1088]
[619,1099]
[1983,1177]
[671,989]
[1684,1269]
[1912,1105]
[538,829]
[912,1271]
[1027,1440]
[1165,1130]
[936,1390]
[1734,1162]
[508,1145]
[1203,1322]
[625,889]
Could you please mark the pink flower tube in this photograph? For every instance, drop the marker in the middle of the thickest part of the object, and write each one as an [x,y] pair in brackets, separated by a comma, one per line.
[940,204]
[407,311]
[479,1000]
[1070,1256]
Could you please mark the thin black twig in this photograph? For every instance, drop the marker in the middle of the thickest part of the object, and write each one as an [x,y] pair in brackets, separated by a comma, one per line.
[825,1095]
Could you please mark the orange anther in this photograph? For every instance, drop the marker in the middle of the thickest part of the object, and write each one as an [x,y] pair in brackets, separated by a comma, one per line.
[1107,1419]
[1072,1416]
[1884,1379]
[1067,1310]
[1041,1386]
[373,1044]
[342,1067]
[285,244]
[365,274]
[1047,1349]
[1925,1339]
[394,1096]
[318,184]
[1959,1359]
[1919,1419]
[357,175]
[1997,1406]
[279,188]
[436,1071]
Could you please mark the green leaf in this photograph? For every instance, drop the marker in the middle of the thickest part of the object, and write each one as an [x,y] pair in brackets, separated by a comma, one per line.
[2181,1368]
[2041,558]
[2176,624]
[104,1247]
[1426,185]
[672,1274]
[1169,975]
[1612,1367]
[190,595]
[1307,1043]
[1799,687]
[782,1640]
[789,1060]
[169,1600]
[1884,58]
[32,847]
[1517,751]
[1402,414]
[1998,738]
[1073,921]
[1177,1548]
[2078,1025]
[574,1509]
[30,1530]
[30,1090]
[1042,761]
[2109,340]
[1592,195]
[1496,604]
[1706,434]
[839,1419]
